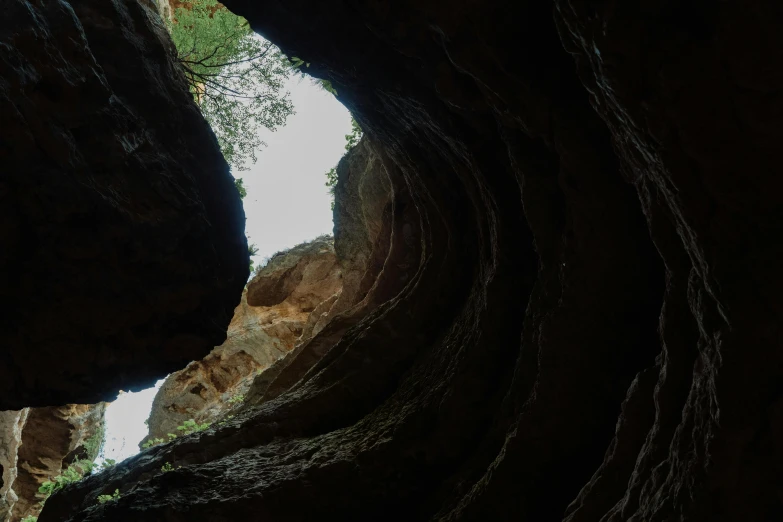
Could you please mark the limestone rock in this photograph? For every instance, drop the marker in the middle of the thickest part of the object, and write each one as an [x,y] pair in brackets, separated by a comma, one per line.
[274,311]
[36,444]
[11,425]
[362,215]
[122,248]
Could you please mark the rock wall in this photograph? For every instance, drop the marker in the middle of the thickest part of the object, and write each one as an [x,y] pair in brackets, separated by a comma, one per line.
[275,311]
[590,326]
[11,425]
[362,215]
[122,248]
[36,444]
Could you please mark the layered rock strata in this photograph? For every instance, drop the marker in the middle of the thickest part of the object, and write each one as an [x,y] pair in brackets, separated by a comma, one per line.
[282,303]
[122,248]
[589,327]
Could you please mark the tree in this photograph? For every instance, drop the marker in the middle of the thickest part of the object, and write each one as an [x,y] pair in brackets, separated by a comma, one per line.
[240,185]
[351,140]
[236,77]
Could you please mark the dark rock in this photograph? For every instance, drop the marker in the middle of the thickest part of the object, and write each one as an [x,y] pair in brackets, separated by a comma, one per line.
[122,252]
[590,327]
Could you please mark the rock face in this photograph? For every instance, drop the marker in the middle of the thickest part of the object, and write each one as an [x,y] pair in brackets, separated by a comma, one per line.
[275,311]
[36,444]
[590,327]
[11,425]
[362,215]
[122,248]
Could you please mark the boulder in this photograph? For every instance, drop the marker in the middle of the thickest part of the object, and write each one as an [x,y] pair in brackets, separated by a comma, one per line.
[122,247]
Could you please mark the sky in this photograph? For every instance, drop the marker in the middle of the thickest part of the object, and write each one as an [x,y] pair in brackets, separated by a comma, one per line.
[286,203]
[125,423]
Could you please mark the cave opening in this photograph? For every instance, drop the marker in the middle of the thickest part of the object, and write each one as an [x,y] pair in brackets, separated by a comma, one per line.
[288,205]
[287,189]
[558,256]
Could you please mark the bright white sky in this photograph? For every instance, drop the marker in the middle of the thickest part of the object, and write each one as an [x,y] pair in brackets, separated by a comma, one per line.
[286,203]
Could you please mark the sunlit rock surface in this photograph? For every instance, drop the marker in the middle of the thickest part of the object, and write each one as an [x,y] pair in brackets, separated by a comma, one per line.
[36,444]
[122,248]
[285,294]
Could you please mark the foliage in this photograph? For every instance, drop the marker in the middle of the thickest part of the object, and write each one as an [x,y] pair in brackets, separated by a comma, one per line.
[30,518]
[351,140]
[94,444]
[167,467]
[225,420]
[191,426]
[73,473]
[252,249]
[236,399]
[353,137]
[102,499]
[188,427]
[296,66]
[236,77]
[152,442]
[106,464]
[240,185]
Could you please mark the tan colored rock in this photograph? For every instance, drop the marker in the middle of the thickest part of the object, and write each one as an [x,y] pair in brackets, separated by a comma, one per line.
[362,214]
[11,424]
[36,444]
[282,301]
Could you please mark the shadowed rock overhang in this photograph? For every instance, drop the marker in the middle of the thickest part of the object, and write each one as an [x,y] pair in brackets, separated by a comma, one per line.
[577,316]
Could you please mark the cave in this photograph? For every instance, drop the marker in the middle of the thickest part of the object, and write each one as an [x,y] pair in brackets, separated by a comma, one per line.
[568,257]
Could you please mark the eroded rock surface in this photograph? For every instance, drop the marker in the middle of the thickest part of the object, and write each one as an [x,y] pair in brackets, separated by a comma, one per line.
[122,248]
[577,316]
[36,444]
[362,218]
[11,425]
[281,304]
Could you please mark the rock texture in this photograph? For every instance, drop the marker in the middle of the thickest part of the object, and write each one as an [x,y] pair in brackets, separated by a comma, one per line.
[36,444]
[590,327]
[122,248]
[11,425]
[362,219]
[281,305]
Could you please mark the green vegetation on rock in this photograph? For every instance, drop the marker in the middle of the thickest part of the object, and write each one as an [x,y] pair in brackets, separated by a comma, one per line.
[102,499]
[351,140]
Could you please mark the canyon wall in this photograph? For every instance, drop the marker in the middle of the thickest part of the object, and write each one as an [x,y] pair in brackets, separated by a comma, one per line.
[576,315]
[37,444]
[123,251]
[275,336]
[280,303]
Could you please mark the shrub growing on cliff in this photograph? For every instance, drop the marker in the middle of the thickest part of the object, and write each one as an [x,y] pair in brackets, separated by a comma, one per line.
[73,473]
[239,398]
[235,76]
[191,426]
[102,499]
[94,444]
